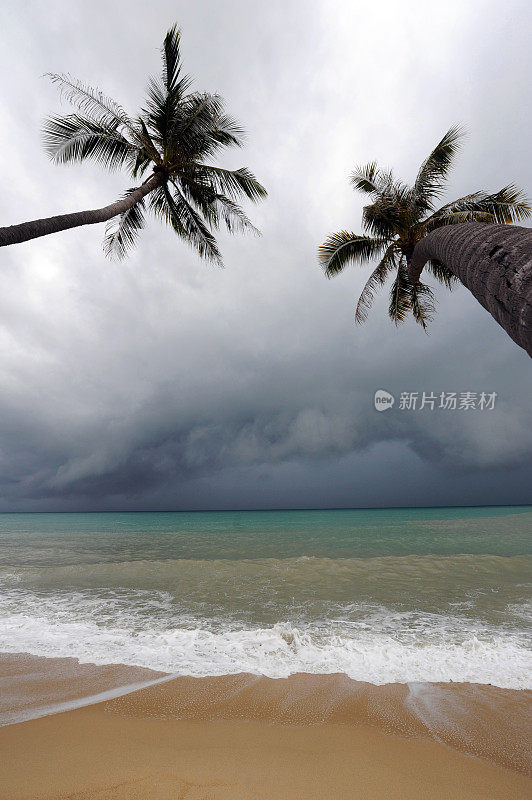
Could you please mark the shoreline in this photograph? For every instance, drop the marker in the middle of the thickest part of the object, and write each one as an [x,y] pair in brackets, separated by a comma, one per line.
[459,740]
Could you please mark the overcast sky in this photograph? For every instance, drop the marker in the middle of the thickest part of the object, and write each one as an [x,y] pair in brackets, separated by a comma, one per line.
[164,382]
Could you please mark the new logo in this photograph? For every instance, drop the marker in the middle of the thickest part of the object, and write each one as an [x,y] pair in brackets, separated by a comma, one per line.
[383,400]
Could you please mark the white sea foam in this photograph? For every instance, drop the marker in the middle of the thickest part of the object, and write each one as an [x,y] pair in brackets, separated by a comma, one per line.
[380,646]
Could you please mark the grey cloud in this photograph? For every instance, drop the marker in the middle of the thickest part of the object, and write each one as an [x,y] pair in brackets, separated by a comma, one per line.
[163,382]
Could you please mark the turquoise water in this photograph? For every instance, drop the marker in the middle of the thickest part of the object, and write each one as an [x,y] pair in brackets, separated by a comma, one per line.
[382,595]
[54,539]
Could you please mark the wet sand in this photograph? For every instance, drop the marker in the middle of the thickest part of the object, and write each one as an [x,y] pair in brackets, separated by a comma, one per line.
[32,686]
[245,737]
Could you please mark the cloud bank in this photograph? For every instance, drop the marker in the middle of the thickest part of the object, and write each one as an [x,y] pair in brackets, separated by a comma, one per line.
[162,382]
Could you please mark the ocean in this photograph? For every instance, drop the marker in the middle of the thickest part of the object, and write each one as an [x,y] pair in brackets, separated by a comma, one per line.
[383,596]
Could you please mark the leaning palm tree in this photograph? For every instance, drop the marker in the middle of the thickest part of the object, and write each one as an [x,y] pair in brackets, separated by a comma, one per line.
[399,217]
[170,142]
[494,262]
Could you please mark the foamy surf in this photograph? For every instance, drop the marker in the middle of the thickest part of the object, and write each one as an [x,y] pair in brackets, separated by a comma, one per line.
[369,643]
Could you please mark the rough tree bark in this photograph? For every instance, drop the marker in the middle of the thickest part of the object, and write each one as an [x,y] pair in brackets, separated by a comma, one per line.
[494,262]
[14,234]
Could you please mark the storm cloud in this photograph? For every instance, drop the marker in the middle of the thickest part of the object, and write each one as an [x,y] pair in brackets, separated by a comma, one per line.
[163,382]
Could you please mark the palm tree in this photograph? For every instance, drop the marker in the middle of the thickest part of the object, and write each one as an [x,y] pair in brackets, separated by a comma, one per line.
[399,217]
[170,141]
[494,262]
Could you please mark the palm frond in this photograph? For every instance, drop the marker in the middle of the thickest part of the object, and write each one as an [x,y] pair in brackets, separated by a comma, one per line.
[430,179]
[171,58]
[507,205]
[147,143]
[232,215]
[217,208]
[75,138]
[162,204]
[367,178]
[199,111]
[226,132]
[233,183]
[457,217]
[373,180]
[339,249]
[422,303]
[166,95]
[442,274]
[91,101]
[198,235]
[185,221]
[140,164]
[400,296]
[376,279]
[200,128]
[163,107]
[121,232]
[386,217]
[228,126]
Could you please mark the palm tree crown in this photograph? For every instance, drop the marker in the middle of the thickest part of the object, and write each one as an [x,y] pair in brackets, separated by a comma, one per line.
[399,216]
[174,136]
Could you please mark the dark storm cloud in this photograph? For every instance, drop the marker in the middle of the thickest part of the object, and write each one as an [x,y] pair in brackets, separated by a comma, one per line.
[163,382]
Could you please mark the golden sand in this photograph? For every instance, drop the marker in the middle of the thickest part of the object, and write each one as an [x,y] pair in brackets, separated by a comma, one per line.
[251,738]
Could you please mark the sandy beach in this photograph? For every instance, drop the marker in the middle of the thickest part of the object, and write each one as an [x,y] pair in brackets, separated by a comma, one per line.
[242,737]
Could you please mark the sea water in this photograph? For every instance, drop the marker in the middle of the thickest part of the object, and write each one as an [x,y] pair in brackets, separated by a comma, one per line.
[395,595]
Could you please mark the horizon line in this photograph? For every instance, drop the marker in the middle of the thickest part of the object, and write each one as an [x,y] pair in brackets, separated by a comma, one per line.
[270,510]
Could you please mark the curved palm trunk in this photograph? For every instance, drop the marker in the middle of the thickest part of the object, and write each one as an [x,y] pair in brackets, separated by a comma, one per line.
[42,227]
[494,262]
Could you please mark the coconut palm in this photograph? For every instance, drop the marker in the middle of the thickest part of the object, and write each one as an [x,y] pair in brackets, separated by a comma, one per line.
[494,262]
[172,143]
[399,217]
